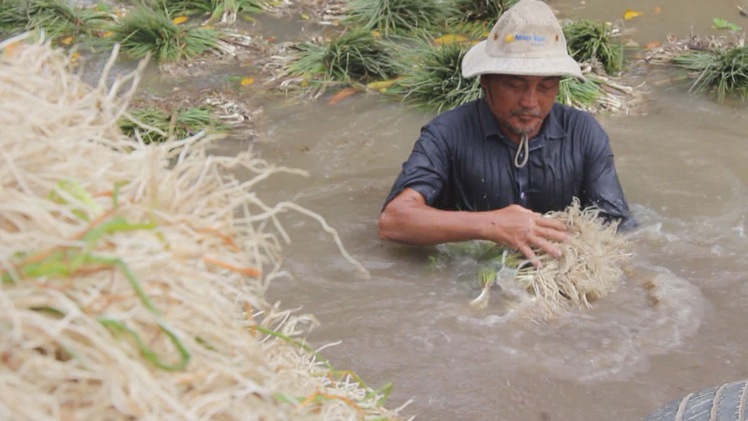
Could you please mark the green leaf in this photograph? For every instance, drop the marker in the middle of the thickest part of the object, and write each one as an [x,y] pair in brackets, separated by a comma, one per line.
[720,23]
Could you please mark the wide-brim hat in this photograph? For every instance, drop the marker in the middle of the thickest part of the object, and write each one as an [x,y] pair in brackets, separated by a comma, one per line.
[526,40]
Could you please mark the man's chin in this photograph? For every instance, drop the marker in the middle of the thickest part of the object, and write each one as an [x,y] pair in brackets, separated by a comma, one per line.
[523,130]
[528,127]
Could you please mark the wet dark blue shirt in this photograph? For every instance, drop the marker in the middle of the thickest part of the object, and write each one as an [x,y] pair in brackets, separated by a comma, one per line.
[462,161]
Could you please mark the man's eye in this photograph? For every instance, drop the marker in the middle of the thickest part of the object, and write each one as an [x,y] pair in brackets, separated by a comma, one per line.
[547,87]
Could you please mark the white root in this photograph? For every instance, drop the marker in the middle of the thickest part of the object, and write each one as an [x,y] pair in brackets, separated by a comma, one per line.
[118,256]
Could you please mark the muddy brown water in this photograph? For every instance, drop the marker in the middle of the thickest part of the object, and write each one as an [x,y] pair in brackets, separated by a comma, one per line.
[683,168]
[683,165]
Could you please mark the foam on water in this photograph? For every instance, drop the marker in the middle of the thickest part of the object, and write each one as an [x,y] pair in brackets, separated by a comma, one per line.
[652,313]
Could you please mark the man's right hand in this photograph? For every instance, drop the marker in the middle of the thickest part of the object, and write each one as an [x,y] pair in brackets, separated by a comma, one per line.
[523,229]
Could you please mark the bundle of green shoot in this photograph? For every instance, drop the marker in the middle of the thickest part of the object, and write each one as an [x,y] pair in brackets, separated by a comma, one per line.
[151,124]
[56,18]
[723,72]
[414,52]
[589,269]
[588,40]
[145,31]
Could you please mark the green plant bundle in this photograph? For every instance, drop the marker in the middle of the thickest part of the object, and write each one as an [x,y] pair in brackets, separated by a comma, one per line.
[145,31]
[216,8]
[587,40]
[12,19]
[181,7]
[356,56]
[720,23]
[307,61]
[432,77]
[394,16]
[233,7]
[724,72]
[179,124]
[461,11]
[481,251]
[56,18]
[579,94]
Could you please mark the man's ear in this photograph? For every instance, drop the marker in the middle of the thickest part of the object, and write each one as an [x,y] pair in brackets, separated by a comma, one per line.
[484,82]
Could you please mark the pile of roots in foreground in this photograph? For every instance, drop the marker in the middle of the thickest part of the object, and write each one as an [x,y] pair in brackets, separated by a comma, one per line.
[133,274]
[590,268]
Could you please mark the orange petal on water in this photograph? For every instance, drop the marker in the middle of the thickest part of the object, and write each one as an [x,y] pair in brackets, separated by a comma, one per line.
[343,94]
[450,39]
[657,10]
[631,14]
[381,85]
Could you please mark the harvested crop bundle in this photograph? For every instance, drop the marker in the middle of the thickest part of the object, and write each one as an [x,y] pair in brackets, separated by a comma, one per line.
[589,269]
[133,275]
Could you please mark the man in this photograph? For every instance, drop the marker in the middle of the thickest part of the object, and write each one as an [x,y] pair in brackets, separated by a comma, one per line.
[489,169]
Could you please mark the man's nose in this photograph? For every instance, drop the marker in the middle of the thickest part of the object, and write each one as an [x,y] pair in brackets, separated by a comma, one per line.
[529,98]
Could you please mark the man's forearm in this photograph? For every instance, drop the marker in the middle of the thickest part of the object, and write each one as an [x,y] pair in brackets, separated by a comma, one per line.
[408,219]
[426,225]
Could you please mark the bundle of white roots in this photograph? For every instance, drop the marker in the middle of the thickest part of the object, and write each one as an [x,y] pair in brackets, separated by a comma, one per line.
[133,275]
[590,268]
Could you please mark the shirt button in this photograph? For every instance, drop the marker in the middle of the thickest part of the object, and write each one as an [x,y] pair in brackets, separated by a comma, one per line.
[522,195]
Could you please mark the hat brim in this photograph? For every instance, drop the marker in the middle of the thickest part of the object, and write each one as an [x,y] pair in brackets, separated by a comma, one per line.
[478,62]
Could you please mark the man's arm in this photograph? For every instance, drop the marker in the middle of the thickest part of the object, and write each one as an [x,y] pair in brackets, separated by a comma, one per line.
[604,191]
[408,219]
[601,186]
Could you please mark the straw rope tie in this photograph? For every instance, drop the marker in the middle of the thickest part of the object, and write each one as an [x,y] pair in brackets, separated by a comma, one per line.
[523,145]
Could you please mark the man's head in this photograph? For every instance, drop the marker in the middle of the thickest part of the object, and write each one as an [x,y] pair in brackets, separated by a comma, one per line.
[520,65]
[526,40]
[520,103]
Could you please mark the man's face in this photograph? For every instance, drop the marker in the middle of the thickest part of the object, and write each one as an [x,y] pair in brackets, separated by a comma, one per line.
[520,103]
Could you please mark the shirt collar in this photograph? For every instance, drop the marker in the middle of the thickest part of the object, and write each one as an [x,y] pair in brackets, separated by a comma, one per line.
[551,128]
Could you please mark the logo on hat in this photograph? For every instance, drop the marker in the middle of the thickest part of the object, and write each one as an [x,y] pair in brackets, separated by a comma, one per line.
[533,39]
